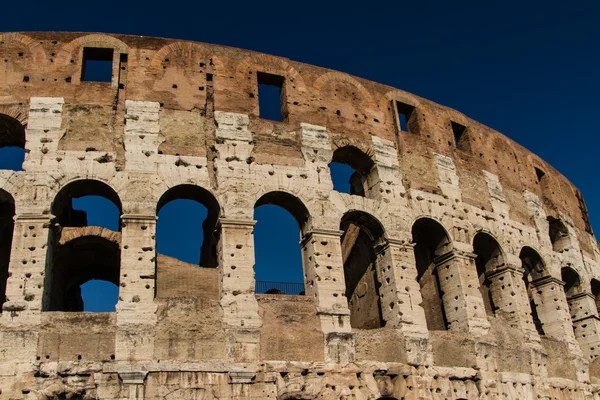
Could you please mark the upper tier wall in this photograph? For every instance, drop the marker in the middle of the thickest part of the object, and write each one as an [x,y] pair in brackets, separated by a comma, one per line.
[174,73]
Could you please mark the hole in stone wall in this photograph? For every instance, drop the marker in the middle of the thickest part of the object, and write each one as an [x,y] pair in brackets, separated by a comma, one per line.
[460,139]
[350,170]
[12,143]
[363,237]
[405,117]
[278,259]
[271,97]
[7,212]
[97,65]
[539,174]
[572,281]
[431,241]
[489,257]
[559,234]
[99,296]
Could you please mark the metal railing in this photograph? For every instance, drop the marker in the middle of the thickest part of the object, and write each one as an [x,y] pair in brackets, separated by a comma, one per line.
[290,288]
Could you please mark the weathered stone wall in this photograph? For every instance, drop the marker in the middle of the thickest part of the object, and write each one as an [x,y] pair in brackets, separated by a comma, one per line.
[182,120]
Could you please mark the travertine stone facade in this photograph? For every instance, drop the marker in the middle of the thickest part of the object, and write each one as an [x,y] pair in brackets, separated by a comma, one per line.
[462,266]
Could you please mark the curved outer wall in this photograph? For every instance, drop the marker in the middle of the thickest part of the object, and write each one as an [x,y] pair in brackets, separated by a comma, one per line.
[184,113]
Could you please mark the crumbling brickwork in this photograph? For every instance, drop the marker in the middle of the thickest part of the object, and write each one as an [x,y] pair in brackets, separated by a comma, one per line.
[462,266]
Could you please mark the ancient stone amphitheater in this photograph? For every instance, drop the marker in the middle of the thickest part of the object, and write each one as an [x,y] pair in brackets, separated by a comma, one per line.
[461,266]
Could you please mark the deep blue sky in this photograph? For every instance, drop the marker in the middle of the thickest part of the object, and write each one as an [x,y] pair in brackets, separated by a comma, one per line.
[528,69]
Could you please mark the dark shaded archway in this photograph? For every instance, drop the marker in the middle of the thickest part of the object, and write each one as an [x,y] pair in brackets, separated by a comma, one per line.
[489,257]
[7,213]
[431,241]
[12,143]
[559,234]
[535,269]
[361,241]
[280,221]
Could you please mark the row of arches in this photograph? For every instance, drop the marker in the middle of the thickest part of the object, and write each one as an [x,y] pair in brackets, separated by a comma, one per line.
[96,257]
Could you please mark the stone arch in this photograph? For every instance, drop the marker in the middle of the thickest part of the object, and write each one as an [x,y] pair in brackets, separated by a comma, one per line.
[490,256]
[360,162]
[61,205]
[65,54]
[17,112]
[7,213]
[12,139]
[396,95]
[35,48]
[207,199]
[534,270]
[572,280]
[70,234]
[272,65]
[180,49]
[288,202]
[432,241]
[559,234]
[362,241]
[338,76]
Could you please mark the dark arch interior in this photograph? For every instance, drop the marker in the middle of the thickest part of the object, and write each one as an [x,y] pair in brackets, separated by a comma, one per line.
[7,212]
[362,238]
[75,263]
[572,281]
[595,288]
[12,143]
[207,242]
[489,257]
[63,209]
[558,232]
[535,269]
[431,240]
[351,179]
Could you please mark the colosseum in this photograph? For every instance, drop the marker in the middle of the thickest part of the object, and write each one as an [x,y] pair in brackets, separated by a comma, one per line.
[459,265]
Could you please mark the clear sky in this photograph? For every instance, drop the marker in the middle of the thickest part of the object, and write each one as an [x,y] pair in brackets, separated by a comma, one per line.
[527,69]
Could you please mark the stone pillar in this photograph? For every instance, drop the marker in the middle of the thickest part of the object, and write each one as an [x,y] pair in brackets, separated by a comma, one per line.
[136,309]
[133,385]
[236,271]
[553,311]
[21,314]
[324,281]
[401,300]
[462,300]
[586,323]
[511,300]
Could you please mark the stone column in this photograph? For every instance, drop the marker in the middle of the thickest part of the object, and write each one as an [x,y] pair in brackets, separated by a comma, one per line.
[236,270]
[324,281]
[553,311]
[21,314]
[401,300]
[462,300]
[586,323]
[511,300]
[136,309]
[133,385]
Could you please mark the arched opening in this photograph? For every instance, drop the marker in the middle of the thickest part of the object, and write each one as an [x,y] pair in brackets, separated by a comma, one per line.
[431,241]
[350,169]
[280,219]
[559,234]
[362,239]
[489,257]
[85,252]
[7,213]
[185,230]
[572,281]
[12,143]
[535,269]
[595,289]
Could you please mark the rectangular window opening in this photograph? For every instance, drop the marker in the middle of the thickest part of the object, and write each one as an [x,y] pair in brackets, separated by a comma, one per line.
[404,113]
[540,174]
[97,65]
[271,96]
[460,138]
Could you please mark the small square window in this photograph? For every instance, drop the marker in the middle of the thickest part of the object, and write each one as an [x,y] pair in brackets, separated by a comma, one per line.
[97,65]
[271,99]
[460,139]
[404,113]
